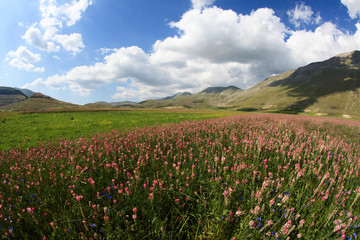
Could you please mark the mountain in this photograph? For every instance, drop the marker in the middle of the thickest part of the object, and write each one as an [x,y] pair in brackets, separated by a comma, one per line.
[106,105]
[210,98]
[121,104]
[10,95]
[218,89]
[35,102]
[330,87]
[27,92]
[180,94]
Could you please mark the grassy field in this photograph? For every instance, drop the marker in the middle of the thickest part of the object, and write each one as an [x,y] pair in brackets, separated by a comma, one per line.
[27,130]
[256,176]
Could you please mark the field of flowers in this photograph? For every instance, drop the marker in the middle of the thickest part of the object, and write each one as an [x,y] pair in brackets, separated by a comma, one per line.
[253,176]
[25,130]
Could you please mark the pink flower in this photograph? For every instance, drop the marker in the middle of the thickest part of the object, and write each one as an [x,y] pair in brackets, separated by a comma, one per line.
[134,209]
[251,224]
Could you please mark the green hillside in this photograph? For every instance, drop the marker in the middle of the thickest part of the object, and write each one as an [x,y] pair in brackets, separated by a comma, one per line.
[330,87]
[38,102]
[10,95]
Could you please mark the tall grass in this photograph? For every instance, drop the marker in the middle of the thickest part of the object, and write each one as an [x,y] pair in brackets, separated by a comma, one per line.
[245,177]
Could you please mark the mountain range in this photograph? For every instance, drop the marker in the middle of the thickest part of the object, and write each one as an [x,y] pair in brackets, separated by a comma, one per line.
[330,87]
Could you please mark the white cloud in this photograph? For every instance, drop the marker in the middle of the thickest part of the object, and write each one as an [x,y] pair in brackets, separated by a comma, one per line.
[54,15]
[353,7]
[326,41]
[16,62]
[125,93]
[214,47]
[24,54]
[72,43]
[303,14]
[37,83]
[35,39]
[199,4]
[22,59]
[104,51]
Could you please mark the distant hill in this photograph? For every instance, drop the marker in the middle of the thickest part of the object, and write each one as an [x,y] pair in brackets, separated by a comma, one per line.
[329,87]
[27,92]
[106,105]
[210,98]
[35,102]
[218,89]
[180,94]
[10,95]
[124,103]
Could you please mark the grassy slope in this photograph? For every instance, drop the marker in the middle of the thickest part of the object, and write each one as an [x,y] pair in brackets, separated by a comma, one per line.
[196,101]
[331,87]
[39,104]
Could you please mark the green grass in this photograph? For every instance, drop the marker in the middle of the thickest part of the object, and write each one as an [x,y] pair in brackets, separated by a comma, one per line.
[27,130]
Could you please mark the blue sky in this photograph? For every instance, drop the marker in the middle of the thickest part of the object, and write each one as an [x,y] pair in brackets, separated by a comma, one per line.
[83,51]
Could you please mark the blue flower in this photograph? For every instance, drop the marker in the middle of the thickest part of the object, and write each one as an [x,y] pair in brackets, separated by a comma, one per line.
[354,234]
[94,224]
[258,219]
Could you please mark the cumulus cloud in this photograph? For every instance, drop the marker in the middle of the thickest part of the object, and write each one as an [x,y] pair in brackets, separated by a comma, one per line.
[71,43]
[24,54]
[35,39]
[22,59]
[25,66]
[303,14]
[213,47]
[54,15]
[37,83]
[353,7]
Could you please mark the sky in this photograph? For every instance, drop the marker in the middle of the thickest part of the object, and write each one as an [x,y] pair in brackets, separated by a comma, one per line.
[83,51]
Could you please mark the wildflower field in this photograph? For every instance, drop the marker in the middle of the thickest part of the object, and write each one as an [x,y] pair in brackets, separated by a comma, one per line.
[29,129]
[257,176]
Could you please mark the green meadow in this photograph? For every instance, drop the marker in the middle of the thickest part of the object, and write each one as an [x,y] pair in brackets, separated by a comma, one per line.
[29,129]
